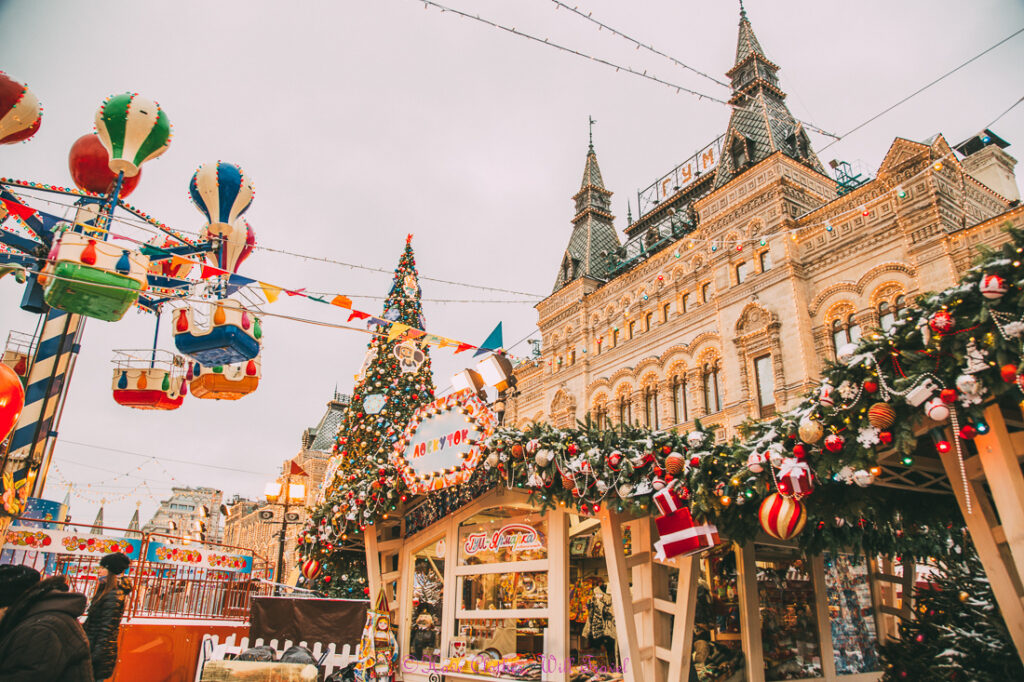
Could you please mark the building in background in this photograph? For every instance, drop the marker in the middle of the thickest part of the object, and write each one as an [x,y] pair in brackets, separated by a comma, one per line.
[749,266]
[189,512]
[256,524]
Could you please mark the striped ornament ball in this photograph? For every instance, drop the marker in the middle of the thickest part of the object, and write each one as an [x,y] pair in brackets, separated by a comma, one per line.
[782,517]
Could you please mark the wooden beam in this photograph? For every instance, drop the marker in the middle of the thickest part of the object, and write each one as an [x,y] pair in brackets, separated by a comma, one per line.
[980,522]
[750,616]
[638,558]
[1002,471]
[622,598]
[372,562]
[557,641]
[682,623]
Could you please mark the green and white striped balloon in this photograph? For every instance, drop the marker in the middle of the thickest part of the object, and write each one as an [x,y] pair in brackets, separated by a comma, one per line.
[133,129]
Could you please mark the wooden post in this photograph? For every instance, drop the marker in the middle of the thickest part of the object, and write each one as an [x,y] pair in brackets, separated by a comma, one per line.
[372,563]
[641,569]
[556,661]
[982,524]
[999,460]
[750,613]
[828,654]
[682,626]
[622,597]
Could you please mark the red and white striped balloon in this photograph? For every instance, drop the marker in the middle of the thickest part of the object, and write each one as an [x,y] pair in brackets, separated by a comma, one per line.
[20,112]
[782,517]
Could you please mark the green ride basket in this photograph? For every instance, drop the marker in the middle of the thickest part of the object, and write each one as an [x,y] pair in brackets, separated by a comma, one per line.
[90,291]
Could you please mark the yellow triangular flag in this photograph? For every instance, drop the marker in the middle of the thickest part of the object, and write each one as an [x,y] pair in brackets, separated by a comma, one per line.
[396,331]
[270,291]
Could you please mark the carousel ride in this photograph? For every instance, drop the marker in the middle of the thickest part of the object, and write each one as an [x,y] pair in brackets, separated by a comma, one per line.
[88,264]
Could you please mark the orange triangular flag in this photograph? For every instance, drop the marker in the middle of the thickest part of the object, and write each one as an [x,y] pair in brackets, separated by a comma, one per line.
[342,301]
[396,330]
[270,291]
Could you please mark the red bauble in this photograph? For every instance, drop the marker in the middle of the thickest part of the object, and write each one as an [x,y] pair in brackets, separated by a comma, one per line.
[12,399]
[573,449]
[941,321]
[695,461]
[967,432]
[948,395]
[1008,372]
[870,386]
[885,437]
[327,578]
[834,442]
[799,451]
[88,161]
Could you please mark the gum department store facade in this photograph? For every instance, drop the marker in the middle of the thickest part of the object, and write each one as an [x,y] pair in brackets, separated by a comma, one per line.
[749,266]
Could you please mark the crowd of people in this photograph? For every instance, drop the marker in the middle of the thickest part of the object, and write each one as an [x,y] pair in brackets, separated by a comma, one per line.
[42,638]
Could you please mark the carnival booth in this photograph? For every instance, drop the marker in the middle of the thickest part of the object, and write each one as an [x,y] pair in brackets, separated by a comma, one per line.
[486,581]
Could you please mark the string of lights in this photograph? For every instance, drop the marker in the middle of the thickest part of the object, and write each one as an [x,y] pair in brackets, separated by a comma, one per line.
[161,460]
[922,89]
[650,48]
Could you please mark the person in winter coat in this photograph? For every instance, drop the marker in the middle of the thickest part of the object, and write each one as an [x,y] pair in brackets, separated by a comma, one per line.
[40,638]
[103,623]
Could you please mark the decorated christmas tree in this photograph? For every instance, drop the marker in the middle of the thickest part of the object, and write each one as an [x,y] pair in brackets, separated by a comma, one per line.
[394,381]
[958,632]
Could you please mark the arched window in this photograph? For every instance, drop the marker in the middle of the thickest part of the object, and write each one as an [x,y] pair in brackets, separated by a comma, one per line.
[601,415]
[853,329]
[712,389]
[839,337]
[886,315]
[680,411]
[651,407]
[625,410]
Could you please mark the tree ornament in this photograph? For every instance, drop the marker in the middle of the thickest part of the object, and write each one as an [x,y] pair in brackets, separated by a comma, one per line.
[492,460]
[881,415]
[834,442]
[311,569]
[871,386]
[674,463]
[543,458]
[613,460]
[755,462]
[963,596]
[992,287]
[936,410]
[948,395]
[1008,372]
[810,430]
[941,321]
[799,451]
[695,438]
[517,451]
[846,352]
[863,478]
[967,383]
[782,517]
[968,432]
[885,437]
[826,395]
[658,483]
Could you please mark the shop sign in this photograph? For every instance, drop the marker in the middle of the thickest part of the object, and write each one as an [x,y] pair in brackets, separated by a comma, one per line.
[51,541]
[197,557]
[515,537]
[440,446]
[680,177]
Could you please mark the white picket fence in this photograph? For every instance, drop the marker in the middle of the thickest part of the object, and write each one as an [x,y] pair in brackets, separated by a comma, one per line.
[328,657]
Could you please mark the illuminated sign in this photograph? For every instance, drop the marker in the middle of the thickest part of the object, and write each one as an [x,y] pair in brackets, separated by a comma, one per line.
[515,537]
[680,177]
[440,446]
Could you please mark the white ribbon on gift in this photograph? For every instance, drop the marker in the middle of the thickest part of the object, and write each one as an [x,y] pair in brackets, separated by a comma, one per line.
[708,530]
[793,468]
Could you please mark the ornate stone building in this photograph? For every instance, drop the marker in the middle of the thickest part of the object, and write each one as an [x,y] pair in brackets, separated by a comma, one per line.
[749,266]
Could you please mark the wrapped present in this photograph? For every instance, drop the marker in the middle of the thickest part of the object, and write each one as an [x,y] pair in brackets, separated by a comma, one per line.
[680,536]
[669,499]
[795,478]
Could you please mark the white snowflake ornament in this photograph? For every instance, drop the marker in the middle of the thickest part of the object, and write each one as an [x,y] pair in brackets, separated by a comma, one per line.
[868,437]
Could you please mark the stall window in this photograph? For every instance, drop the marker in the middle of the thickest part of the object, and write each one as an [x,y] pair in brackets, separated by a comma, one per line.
[428,595]
[717,645]
[765,384]
[680,413]
[651,407]
[742,270]
[789,622]
[850,614]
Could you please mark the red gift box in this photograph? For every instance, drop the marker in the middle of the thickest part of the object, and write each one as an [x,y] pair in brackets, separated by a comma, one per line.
[681,537]
[669,500]
[795,478]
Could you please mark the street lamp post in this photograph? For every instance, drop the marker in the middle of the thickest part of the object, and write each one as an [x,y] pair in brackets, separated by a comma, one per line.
[291,494]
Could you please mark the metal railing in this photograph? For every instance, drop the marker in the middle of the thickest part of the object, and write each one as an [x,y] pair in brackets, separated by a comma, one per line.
[171,577]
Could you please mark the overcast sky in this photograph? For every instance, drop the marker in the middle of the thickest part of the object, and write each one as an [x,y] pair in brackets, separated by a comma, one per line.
[363,120]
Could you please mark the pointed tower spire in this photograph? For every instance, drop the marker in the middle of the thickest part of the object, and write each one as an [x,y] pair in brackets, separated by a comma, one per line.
[134,523]
[593,234]
[761,123]
[96,530]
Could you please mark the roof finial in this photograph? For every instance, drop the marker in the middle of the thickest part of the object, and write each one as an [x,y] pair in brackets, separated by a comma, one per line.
[592,122]
[743,11]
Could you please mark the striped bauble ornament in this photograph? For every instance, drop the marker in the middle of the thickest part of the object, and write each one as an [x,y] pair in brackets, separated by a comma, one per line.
[311,569]
[782,517]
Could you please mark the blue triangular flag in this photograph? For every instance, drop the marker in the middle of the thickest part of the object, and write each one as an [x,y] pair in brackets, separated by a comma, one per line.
[493,342]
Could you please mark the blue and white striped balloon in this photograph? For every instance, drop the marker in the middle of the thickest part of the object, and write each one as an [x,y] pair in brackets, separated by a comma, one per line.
[223,192]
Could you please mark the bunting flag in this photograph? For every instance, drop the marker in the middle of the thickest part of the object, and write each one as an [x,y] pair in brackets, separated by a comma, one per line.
[295,292]
[209,271]
[462,347]
[240,280]
[492,343]
[20,210]
[415,334]
[342,301]
[357,315]
[397,329]
[270,291]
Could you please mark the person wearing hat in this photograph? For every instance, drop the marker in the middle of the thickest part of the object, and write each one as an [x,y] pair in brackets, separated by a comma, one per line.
[40,637]
[103,623]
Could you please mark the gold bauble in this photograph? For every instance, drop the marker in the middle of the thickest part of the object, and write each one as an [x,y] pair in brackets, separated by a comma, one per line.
[811,430]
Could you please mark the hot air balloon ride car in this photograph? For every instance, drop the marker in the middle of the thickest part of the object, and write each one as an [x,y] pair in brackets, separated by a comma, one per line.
[20,113]
[149,379]
[224,382]
[88,276]
[231,335]
[133,130]
[222,192]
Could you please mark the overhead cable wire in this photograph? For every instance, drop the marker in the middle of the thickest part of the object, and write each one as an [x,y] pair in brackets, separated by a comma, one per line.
[650,48]
[923,88]
[162,459]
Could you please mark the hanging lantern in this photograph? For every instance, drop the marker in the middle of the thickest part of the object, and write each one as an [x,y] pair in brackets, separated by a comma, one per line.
[89,164]
[12,399]
[222,192]
[311,569]
[133,130]
[20,113]
[234,246]
[782,517]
